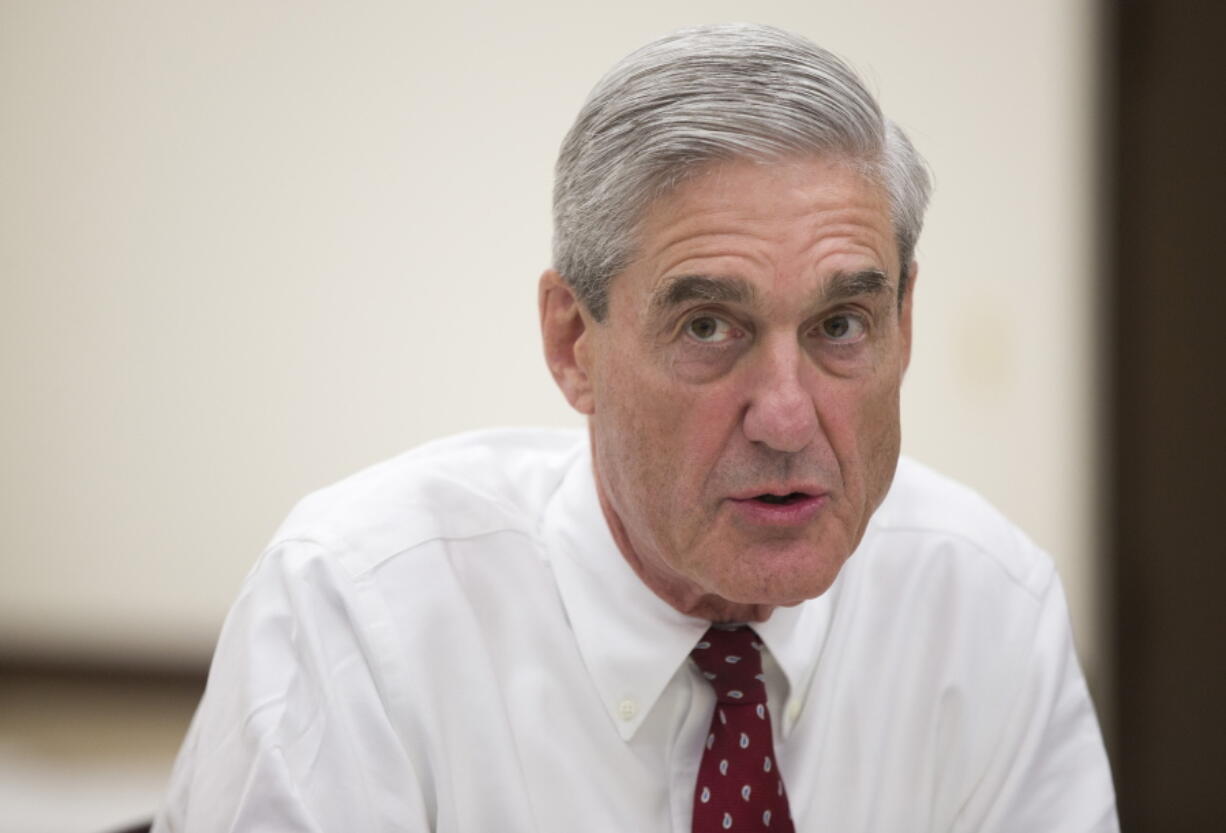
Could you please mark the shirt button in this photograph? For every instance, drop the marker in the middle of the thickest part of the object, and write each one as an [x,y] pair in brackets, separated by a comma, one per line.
[793,710]
[627,709]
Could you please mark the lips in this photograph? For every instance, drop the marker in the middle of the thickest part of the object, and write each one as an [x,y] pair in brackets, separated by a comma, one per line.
[779,507]
[780,492]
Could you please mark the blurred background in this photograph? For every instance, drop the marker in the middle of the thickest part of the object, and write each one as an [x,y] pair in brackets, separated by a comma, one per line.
[248,248]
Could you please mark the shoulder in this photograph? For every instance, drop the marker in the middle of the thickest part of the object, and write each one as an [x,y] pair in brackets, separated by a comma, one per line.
[931,514]
[470,485]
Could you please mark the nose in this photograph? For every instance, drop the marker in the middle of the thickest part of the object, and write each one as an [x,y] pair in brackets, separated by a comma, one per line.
[781,413]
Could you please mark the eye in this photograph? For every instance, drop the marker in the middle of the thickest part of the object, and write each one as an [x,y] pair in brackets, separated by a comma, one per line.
[843,328]
[710,330]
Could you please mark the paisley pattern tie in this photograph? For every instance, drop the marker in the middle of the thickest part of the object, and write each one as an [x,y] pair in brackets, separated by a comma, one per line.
[739,787]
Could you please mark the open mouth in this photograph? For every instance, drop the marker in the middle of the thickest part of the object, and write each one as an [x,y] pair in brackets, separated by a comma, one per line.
[781,500]
[773,509]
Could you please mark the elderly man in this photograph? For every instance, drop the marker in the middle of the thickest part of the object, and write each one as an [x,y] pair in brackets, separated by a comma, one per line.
[728,606]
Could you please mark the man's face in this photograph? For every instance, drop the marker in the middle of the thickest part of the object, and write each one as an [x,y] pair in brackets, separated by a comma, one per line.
[744,386]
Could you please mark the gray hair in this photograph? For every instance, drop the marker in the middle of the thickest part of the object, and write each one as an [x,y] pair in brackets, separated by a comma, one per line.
[708,94]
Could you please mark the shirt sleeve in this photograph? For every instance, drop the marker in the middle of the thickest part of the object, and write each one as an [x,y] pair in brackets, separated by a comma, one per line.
[292,733]
[1049,770]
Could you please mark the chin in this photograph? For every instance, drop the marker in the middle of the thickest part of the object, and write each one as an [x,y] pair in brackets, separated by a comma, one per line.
[783,588]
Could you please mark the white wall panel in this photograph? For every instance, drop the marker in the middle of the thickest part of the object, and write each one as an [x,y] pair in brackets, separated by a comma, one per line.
[249,247]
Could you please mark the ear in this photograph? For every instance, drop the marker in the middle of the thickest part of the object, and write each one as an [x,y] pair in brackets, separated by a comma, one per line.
[566,331]
[904,314]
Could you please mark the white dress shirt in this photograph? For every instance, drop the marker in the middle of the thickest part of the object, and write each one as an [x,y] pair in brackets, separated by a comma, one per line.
[452,641]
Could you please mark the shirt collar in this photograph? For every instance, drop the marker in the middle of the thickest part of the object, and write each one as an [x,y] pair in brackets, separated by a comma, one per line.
[632,641]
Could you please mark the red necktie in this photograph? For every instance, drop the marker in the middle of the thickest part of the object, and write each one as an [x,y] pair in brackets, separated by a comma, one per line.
[739,785]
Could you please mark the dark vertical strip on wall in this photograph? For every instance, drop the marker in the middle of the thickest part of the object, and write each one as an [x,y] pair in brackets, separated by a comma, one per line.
[1163,289]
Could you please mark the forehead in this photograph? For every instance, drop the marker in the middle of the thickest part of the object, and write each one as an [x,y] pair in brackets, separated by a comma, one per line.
[775,224]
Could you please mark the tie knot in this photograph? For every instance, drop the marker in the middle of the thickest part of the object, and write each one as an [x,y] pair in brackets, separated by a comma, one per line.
[731,660]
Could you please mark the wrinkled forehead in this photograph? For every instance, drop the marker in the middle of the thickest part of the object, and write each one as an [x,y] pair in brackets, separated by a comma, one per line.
[673,191]
[765,235]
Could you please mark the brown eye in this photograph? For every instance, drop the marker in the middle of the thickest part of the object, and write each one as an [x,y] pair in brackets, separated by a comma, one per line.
[709,329]
[843,328]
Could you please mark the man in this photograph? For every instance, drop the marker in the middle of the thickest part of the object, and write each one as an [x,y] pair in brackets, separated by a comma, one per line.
[729,606]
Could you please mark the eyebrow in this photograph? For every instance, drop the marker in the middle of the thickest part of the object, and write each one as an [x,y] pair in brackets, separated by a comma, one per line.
[841,287]
[845,285]
[676,291]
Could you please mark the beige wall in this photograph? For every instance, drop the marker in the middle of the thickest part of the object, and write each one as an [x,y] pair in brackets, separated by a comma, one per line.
[249,247]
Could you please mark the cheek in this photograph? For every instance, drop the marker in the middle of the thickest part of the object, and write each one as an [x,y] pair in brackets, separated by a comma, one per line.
[632,422]
[865,436]
[881,440]
[647,393]
[667,437]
